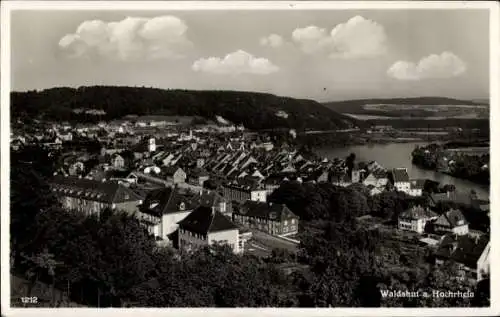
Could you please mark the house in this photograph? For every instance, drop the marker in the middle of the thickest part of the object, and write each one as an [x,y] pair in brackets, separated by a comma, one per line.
[452,221]
[163,208]
[198,176]
[472,254]
[453,196]
[174,175]
[415,219]
[376,178]
[212,199]
[417,187]
[204,227]
[401,180]
[117,161]
[92,197]
[241,193]
[275,219]
[272,183]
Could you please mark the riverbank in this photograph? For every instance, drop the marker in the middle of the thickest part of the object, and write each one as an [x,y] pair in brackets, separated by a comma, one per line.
[393,155]
[470,163]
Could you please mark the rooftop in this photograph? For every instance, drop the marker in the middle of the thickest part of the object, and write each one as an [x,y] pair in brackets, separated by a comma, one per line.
[204,220]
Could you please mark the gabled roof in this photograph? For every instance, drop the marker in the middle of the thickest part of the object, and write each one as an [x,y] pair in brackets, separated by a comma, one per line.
[452,218]
[204,220]
[416,213]
[457,197]
[166,201]
[258,209]
[463,249]
[87,189]
[400,175]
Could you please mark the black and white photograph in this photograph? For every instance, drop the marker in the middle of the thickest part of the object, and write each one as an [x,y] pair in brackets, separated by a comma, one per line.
[230,155]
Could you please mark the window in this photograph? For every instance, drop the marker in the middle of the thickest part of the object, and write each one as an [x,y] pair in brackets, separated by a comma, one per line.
[293,221]
[286,222]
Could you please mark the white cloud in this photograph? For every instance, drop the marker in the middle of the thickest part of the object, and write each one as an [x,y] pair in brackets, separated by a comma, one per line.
[445,65]
[239,62]
[129,39]
[311,39]
[358,37]
[272,40]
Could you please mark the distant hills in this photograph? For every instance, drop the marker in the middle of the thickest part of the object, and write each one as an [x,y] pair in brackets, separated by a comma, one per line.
[253,110]
[353,106]
[422,108]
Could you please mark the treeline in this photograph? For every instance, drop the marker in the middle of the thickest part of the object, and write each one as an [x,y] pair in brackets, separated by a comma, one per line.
[253,110]
[471,167]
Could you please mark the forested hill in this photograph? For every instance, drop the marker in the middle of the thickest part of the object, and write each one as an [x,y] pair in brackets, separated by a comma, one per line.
[253,110]
[349,105]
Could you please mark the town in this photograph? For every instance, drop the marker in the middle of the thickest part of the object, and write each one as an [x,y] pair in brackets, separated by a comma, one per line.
[193,184]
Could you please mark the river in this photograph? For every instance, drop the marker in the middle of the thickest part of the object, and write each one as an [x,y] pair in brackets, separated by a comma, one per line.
[399,155]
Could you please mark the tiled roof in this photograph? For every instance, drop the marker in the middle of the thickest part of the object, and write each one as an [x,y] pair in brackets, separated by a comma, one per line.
[458,197]
[204,220]
[167,200]
[462,249]
[105,192]
[416,213]
[400,175]
[265,210]
[452,218]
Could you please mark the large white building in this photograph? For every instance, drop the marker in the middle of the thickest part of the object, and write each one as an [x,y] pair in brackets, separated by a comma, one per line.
[415,219]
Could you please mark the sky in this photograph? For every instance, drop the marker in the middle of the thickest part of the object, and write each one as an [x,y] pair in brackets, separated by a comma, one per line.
[323,55]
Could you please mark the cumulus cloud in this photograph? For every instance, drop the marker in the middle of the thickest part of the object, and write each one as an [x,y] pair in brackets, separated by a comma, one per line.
[129,39]
[445,65]
[239,62]
[272,40]
[358,37]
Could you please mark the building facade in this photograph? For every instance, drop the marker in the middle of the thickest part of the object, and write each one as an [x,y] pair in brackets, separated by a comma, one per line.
[92,197]
[204,227]
[274,219]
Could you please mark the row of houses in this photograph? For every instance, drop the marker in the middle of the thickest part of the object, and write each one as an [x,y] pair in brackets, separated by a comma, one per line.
[174,215]
[451,238]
